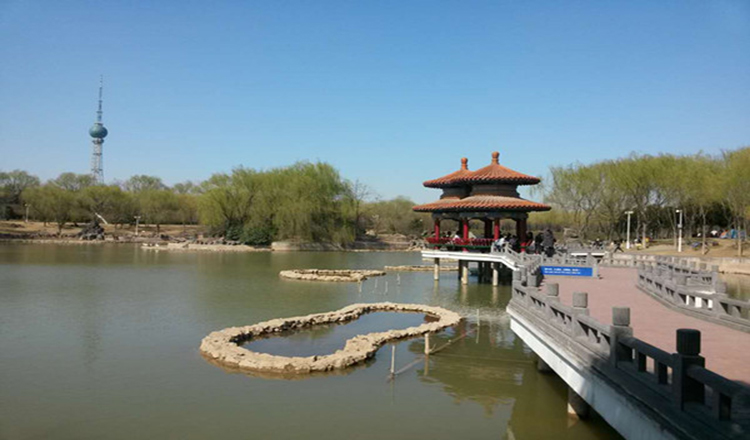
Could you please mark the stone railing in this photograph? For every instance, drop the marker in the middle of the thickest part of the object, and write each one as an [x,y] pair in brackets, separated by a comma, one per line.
[579,248]
[675,385]
[698,273]
[626,260]
[691,293]
[531,264]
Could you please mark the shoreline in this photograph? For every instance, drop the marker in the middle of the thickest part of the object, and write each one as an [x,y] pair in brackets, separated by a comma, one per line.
[157,245]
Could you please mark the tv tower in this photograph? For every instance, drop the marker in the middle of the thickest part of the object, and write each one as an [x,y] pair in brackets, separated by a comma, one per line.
[98,133]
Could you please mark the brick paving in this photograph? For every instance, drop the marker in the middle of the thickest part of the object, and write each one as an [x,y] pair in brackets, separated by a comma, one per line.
[727,351]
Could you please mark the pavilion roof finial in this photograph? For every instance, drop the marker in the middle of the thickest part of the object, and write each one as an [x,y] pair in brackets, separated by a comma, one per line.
[464,163]
[496,157]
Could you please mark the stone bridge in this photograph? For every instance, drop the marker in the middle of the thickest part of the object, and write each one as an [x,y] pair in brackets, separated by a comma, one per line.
[646,355]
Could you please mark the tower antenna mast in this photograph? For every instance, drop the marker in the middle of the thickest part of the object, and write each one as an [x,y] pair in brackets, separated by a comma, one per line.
[98,133]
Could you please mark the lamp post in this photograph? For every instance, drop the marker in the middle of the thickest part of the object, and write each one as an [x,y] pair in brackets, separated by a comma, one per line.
[137,220]
[679,229]
[627,244]
[26,220]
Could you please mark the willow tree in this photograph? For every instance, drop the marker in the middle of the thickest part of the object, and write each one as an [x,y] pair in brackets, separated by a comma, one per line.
[226,200]
[395,216]
[109,201]
[50,203]
[12,185]
[309,201]
[636,177]
[613,203]
[577,189]
[735,187]
[74,182]
[700,189]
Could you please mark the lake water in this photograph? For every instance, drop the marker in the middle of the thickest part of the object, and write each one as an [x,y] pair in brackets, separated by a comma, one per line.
[326,339]
[738,286]
[101,342]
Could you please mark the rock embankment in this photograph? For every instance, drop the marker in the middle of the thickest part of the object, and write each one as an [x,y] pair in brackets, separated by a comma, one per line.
[420,268]
[197,247]
[223,346]
[342,275]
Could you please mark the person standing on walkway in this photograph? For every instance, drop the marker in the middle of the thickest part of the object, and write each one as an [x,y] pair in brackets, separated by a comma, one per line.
[548,242]
[538,243]
[618,246]
[500,244]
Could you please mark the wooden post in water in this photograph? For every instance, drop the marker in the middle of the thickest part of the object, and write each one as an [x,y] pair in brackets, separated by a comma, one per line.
[393,360]
[427,344]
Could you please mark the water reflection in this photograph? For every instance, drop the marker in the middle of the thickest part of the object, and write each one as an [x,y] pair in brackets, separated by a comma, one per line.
[738,286]
[489,365]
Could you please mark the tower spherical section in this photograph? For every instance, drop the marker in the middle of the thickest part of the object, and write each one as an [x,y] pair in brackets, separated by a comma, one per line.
[98,131]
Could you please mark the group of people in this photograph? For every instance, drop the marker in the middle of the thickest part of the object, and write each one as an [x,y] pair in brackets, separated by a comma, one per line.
[543,242]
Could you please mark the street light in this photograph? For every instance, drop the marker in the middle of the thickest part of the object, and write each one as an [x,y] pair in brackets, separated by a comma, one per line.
[137,220]
[679,228]
[629,213]
[27,213]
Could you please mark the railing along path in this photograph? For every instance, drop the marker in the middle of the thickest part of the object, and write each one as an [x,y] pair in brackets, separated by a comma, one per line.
[679,379]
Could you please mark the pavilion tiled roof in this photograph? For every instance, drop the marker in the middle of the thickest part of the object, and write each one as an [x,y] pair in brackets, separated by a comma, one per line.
[453,179]
[482,203]
[496,173]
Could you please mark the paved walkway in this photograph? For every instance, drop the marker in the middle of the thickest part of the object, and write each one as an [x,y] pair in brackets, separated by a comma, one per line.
[727,351]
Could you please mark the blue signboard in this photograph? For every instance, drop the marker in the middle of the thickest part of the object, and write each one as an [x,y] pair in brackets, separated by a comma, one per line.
[571,271]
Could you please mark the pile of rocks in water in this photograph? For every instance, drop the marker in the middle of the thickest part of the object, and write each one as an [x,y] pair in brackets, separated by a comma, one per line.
[342,275]
[92,231]
[223,346]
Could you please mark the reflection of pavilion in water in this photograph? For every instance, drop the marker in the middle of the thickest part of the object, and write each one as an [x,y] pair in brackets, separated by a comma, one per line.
[493,368]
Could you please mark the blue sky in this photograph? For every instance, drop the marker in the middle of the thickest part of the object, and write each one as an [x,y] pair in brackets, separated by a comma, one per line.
[390,92]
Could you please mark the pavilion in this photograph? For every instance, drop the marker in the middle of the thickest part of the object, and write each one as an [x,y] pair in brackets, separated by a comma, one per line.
[489,194]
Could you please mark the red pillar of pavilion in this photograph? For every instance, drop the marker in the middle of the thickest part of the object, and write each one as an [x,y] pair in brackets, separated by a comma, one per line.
[465,224]
[496,229]
[521,231]
[437,228]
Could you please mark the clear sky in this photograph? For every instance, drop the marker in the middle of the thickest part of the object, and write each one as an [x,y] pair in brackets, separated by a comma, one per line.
[390,92]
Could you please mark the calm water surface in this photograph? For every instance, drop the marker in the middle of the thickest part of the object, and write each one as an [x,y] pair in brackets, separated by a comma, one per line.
[738,286]
[326,339]
[101,342]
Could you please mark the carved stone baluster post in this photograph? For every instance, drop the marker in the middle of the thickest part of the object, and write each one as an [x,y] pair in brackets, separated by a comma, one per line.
[685,388]
[580,307]
[715,274]
[720,292]
[553,292]
[680,281]
[620,328]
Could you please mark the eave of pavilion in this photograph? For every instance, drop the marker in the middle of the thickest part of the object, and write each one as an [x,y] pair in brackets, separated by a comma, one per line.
[489,193]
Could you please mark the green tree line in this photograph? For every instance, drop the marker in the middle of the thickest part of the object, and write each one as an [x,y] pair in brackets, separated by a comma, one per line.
[304,201]
[592,200]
